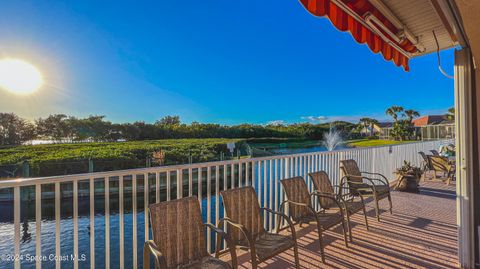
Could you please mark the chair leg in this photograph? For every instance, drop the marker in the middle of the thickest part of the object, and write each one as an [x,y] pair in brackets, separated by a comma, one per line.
[349,225]
[320,241]
[295,253]
[365,215]
[377,208]
[277,228]
[146,258]
[390,202]
[345,233]
[254,263]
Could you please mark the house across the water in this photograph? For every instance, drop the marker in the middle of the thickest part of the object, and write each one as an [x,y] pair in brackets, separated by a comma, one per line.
[430,127]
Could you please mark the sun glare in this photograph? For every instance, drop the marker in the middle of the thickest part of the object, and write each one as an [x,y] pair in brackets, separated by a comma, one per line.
[20,77]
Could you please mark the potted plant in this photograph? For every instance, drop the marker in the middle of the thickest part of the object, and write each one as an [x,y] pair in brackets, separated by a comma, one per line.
[408,177]
[447,151]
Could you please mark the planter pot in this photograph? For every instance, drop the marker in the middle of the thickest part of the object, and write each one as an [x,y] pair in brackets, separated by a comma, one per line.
[407,182]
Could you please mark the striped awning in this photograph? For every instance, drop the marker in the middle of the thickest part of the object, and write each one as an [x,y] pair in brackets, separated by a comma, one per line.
[367,25]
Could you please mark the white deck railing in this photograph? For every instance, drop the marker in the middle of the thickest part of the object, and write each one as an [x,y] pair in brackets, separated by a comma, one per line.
[124,190]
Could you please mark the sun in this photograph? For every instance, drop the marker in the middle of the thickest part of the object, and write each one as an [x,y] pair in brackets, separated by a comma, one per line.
[19,77]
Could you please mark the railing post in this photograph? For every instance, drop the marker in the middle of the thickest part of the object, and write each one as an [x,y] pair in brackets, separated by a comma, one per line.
[90,165]
[26,169]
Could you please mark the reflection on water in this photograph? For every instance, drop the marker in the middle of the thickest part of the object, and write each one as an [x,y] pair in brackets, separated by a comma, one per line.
[303,150]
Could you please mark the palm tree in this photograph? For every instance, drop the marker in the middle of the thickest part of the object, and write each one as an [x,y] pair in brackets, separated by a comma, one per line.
[363,123]
[451,113]
[393,111]
[368,122]
[411,114]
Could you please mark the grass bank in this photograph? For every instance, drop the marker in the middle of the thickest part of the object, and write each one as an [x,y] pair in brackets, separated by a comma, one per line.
[361,143]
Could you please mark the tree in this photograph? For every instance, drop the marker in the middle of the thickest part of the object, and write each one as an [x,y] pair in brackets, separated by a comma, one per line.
[411,114]
[15,130]
[56,127]
[169,120]
[394,111]
[368,123]
[402,130]
[364,123]
[451,113]
[94,127]
[372,126]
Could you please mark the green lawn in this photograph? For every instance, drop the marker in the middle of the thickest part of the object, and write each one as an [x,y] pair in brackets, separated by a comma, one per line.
[361,143]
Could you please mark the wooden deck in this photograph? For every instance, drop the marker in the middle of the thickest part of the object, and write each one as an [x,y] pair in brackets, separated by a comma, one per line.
[421,233]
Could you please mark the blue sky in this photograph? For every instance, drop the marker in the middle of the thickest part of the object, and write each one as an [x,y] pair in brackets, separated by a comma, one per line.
[209,61]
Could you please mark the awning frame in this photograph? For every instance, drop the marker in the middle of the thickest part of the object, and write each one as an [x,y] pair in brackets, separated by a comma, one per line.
[378,32]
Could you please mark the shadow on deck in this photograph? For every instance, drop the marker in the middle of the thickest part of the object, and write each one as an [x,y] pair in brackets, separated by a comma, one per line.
[421,233]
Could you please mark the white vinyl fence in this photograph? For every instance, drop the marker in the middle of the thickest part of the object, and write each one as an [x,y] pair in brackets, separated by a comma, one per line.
[100,219]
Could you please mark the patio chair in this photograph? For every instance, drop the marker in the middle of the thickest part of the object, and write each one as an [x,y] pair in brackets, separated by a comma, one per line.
[377,187]
[350,206]
[442,164]
[244,223]
[435,152]
[426,164]
[179,237]
[301,210]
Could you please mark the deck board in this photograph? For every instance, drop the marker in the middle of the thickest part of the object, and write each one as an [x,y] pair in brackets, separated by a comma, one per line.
[421,233]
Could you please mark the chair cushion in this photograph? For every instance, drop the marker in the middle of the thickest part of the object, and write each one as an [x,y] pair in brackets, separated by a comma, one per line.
[207,262]
[269,244]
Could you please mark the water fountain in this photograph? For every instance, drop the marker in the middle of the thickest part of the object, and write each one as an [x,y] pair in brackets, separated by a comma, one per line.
[332,139]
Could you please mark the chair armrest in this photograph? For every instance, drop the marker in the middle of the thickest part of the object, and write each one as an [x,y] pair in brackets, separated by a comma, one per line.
[332,195]
[151,248]
[285,217]
[239,227]
[341,195]
[349,194]
[295,203]
[280,214]
[227,238]
[383,179]
[341,187]
[364,187]
[215,229]
[369,179]
[246,234]
[334,198]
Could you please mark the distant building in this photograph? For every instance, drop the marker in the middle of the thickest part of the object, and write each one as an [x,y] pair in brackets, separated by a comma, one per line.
[431,120]
[430,127]
[384,129]
[377,128]
[434,127]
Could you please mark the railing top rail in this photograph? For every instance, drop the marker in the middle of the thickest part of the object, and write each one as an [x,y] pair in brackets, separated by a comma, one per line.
[9,183]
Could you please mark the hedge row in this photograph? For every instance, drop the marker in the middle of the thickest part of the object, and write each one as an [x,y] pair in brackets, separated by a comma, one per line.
[58,159]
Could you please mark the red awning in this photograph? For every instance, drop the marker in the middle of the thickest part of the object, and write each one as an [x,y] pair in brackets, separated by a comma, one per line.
[354,22]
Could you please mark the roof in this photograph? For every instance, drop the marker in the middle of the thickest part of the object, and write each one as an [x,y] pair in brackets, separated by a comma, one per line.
[385,124]
[431,120]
